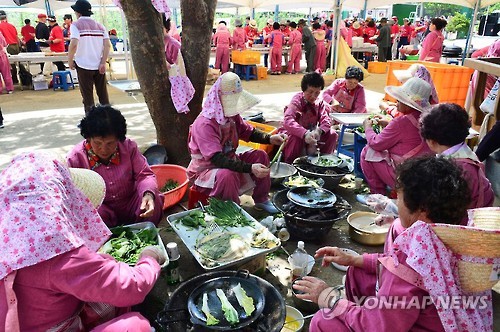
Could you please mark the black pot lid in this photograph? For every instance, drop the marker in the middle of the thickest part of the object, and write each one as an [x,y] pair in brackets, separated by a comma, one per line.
[312,197]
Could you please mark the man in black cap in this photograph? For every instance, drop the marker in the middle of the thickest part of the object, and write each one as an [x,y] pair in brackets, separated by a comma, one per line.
[88,52]
[384,40]
[309,45]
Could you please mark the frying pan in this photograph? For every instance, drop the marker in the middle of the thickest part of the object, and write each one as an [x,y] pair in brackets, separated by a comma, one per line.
[226,284]
[312,197]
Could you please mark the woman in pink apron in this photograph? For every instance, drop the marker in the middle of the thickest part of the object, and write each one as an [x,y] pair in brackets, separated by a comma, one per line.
[307,122]
[320,55]
[399,140]
[445,128]
[181,88]
[432,46]
[347,95]
[215,168]
[397,290]
[222,40]
[51,276]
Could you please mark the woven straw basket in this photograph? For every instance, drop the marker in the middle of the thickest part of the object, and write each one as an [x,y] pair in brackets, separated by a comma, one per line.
[482,241]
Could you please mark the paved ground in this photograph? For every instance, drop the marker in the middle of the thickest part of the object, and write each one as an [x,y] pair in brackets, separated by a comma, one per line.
[47,120]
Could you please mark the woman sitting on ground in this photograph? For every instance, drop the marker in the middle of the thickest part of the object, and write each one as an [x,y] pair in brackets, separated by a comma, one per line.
[347,95]
[445,128]
[377,277]
[132,193]
[51,276]
[215,168]
[400,138]
[307,122]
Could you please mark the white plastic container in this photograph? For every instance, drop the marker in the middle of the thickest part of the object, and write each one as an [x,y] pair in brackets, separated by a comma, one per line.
[40,85]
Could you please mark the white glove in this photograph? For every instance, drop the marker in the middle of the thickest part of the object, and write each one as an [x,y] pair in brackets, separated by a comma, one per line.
[317,133]
[154,252]
[309,138]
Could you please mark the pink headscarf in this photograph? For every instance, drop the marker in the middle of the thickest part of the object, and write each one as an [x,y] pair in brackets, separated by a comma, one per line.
[43,214]
[212,106]
[437,265]
[424,74]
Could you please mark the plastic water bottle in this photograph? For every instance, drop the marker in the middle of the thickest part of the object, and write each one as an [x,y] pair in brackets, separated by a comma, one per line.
[299,261]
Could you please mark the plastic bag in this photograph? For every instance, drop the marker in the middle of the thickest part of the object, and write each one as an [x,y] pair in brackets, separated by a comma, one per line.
[488,104]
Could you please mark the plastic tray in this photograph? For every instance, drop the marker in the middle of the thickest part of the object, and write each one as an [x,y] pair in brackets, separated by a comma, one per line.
[258,146]
[190,235]
[148,224]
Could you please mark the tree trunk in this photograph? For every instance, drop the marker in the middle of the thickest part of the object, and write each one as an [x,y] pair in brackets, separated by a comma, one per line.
[148,56]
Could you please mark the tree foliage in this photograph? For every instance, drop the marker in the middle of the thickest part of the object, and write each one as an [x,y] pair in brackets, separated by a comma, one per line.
[434,9]
[458,23]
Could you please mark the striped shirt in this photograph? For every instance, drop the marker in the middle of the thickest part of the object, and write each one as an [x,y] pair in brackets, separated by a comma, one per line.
[90,35]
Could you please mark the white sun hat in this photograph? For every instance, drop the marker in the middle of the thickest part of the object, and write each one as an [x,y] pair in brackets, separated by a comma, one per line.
[406,74]
[234,99]
[415,93]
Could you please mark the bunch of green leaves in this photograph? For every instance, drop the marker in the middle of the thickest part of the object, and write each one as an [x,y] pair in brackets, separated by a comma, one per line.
[226,213]
[169,185]
[125,244]
[193,219]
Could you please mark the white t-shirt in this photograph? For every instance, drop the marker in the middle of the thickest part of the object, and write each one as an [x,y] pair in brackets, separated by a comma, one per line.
[90,35]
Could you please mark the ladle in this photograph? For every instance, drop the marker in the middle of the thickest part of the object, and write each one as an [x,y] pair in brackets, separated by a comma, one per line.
[303,318]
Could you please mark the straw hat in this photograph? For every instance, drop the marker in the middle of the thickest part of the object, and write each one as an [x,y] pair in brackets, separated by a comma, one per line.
[253,24]
[234,99]
[415,93]
[356,25]
[406,74]
[481,241]
[90,183]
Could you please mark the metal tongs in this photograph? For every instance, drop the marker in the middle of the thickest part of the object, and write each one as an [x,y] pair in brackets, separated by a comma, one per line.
[277,156]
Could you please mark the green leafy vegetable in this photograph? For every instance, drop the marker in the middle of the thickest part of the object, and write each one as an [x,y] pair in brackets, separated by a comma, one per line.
[169,185]
[125,244]
[244,300]
[211,320]
[226,213]
[193,219]
[229,312]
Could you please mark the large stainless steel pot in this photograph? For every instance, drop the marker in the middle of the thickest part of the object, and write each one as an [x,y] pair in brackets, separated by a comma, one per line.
[363,231]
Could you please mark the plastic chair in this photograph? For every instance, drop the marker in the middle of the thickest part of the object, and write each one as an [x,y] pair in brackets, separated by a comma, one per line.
[347,149]
[60,80]
[246,71]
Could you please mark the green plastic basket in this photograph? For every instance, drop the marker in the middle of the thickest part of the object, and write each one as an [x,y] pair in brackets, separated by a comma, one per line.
[412,57]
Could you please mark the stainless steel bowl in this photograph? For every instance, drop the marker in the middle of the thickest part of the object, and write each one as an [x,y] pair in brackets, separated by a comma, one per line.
[281,171]
[364,236]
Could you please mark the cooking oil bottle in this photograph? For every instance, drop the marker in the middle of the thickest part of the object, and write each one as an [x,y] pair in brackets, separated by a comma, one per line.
[172,269]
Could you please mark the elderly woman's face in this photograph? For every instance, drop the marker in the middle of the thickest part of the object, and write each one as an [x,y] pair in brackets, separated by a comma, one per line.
[351,83]
[104,147]
[311,94]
